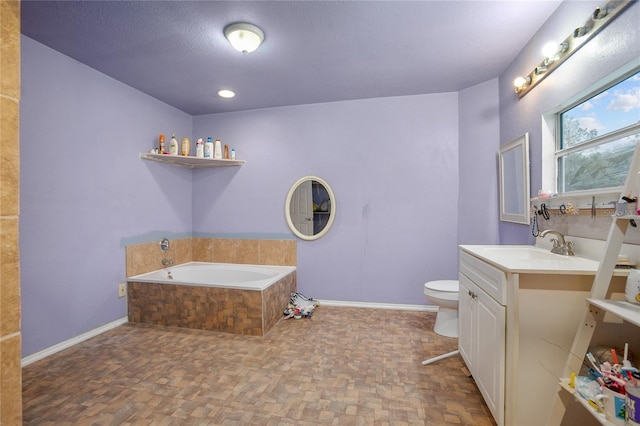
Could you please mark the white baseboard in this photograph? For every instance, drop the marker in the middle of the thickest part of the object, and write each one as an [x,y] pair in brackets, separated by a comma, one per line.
[73,341]
[348,304]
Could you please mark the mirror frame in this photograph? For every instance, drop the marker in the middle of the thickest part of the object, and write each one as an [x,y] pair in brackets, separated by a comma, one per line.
[519,181]
[332,211]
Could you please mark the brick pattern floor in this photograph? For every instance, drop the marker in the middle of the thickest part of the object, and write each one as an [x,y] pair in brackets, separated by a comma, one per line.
[343,366]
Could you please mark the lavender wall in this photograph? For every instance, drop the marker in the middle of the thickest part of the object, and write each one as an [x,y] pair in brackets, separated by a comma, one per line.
[83,189]
[478,205]
[613,47]
[393,166]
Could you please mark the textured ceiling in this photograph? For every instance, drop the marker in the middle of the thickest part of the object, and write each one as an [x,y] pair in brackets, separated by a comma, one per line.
[314,51]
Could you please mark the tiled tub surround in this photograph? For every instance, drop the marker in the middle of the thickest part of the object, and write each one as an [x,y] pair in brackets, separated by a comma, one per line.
[248,312]
[146,257]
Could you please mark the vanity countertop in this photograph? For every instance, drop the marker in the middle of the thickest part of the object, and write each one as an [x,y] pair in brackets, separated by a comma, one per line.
[534,260]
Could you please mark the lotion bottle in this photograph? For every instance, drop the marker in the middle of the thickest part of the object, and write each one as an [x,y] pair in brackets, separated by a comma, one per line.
[173,145]
[208,148]
[200,148]
[218,150]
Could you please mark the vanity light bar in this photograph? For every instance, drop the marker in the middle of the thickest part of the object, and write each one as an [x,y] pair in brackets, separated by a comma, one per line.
[579,36]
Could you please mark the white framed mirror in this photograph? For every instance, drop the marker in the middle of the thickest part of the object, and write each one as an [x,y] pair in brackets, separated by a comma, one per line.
[513,163]
[310,208]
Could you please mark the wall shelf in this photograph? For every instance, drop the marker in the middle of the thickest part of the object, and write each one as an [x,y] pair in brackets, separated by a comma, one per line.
[190,162]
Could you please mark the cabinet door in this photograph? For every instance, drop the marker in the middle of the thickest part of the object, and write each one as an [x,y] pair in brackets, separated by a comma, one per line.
[466,314]
[489,351]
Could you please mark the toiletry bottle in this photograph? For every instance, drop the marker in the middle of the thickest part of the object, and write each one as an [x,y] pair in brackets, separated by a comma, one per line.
[208,148]
[218,150]
[185,146]
[226,151]
[233,153]
[200,148]
[161,144]
[173,145]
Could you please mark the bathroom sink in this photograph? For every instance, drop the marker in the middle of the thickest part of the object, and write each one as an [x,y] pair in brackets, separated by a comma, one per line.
[524,252]
[523,258]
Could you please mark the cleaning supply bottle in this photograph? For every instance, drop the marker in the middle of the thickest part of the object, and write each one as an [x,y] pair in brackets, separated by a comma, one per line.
[173,145]
[200,148]
[185,146]
[161,144]
[218,150]
[208,148]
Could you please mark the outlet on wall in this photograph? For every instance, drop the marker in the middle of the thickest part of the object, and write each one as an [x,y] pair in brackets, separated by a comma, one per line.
[122,290]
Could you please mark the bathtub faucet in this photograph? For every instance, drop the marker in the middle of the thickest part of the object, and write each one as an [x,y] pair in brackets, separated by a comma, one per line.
[166,262]
[560,246]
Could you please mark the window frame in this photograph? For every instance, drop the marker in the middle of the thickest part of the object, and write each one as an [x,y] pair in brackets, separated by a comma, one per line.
[555,125]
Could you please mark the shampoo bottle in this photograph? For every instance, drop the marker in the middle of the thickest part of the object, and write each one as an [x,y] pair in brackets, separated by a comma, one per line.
[218,150]
[173,145]
[208,148]
[226,151]
[200,148]
[185,147]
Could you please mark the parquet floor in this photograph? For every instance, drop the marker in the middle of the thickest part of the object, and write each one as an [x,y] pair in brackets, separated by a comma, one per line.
[344,366]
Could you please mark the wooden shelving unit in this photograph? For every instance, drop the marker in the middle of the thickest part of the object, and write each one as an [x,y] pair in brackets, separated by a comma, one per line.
[598,304]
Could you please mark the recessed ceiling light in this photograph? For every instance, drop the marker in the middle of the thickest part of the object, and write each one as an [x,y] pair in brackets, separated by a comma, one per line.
[226,93]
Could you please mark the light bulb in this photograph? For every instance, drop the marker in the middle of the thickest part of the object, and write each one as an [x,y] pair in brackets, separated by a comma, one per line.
[519,82]
[550,49]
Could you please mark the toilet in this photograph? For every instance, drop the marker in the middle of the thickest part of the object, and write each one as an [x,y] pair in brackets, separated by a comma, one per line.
[444,294]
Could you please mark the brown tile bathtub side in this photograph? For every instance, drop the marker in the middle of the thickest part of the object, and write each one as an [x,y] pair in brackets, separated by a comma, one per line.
[275,299]
[205,308]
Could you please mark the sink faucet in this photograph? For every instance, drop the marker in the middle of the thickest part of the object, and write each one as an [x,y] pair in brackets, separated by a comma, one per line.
[560,246]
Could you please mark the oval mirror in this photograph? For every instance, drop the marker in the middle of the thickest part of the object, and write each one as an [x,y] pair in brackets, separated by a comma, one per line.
[310,208]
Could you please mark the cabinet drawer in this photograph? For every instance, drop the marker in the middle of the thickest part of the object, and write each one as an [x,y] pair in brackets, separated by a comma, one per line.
[489,278]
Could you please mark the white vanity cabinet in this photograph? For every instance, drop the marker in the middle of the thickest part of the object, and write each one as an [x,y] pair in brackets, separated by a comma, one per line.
[481,342]
[519,307]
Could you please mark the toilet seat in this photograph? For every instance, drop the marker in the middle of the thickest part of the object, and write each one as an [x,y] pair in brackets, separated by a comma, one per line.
[445,286]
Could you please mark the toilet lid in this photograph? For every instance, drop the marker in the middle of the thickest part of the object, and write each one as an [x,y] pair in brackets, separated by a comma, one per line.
[450,286]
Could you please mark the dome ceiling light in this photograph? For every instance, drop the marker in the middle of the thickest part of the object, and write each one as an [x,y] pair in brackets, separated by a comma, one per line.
[244,37]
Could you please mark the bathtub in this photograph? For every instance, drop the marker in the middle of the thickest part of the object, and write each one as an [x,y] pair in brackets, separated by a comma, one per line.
[232,298]
[225,275]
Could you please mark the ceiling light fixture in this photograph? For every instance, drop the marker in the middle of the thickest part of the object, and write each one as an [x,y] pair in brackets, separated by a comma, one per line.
[244,37]
[226,93]
[555,54]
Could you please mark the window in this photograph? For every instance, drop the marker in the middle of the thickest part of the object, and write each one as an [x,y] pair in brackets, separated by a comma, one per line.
[597,138]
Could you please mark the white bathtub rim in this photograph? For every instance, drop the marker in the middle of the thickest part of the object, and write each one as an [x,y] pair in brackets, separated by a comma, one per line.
[258,285]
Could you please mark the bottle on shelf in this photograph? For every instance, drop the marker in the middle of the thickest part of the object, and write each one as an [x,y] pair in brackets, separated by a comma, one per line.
[200,148]
[226,151]
[185,147]
[233,153]
[218,150]
[173,145]
[208,148]
[161,144]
